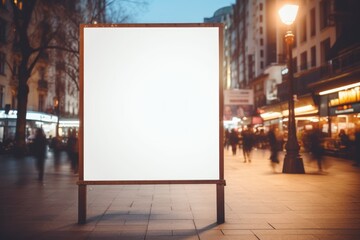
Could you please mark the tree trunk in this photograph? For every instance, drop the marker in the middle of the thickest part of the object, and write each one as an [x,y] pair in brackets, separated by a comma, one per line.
[22,97]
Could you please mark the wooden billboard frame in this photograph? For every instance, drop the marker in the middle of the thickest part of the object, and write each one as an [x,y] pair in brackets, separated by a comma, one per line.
[82,184]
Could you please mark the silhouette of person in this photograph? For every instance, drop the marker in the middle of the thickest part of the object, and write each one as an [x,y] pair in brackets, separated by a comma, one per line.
[55,145]
[316,148]
[274,147]
[39,147]
[227,138]
[344,139]
[233,141]
[247,142]
[356,147]
[73,150]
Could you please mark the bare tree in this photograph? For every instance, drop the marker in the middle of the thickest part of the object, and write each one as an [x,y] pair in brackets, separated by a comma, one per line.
[41,26]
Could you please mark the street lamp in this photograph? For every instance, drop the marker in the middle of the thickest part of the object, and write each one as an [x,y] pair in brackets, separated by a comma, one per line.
[293,162]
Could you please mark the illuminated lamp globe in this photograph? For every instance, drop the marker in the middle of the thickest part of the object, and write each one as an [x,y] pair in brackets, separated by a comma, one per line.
[288,13]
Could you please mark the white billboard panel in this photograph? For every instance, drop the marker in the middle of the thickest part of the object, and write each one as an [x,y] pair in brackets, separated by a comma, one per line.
[144,90]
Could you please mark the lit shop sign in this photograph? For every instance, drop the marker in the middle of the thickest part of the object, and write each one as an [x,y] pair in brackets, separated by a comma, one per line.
[346,97]
[345,109]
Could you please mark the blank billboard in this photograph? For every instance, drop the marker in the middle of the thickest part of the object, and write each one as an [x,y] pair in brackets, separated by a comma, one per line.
[150,100]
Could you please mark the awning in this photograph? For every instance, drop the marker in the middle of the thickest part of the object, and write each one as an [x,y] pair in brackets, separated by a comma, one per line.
[304,105]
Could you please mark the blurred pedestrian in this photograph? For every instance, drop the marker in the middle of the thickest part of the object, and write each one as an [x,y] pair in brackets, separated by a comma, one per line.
[55,145]
[227,138]
[39,150]
[274,146]
[247,142]
[356,147]
[234,141]
[73,150]
[316,148]
[344,139]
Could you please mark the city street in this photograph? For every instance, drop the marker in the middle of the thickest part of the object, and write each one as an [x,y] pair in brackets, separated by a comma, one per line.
[260,204]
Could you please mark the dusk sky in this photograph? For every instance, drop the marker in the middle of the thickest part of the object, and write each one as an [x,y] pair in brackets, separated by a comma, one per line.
[180,11]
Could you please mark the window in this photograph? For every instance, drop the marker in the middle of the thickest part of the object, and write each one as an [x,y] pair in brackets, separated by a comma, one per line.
[261,18]
[2,63]
[325,49]
[2,30]
[2,90]
[303,30]
[312,22]
[41,102]
[261,30]
[294,63]
[261,42]
[262,65]
[13,100]
[324,13]
[261,53]
[313,56]
[260,6]
[303,61]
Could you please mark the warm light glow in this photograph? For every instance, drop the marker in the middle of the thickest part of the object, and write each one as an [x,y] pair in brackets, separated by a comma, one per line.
[270,115]
[303,109]
[339,88]
[288,13]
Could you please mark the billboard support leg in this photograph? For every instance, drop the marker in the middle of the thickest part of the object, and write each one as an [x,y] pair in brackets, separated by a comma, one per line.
[82,204]
[220,202]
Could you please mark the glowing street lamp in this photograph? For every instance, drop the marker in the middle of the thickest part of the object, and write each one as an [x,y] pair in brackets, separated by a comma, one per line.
[293,162]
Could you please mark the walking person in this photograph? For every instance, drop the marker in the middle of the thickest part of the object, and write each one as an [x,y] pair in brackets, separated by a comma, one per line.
[247,143]
[274,147]
[73,150]
[233,141]
[316,148]
[39,148]
[356,147]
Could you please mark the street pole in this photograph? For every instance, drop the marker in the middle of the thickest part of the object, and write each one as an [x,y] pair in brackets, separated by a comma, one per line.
[293,162]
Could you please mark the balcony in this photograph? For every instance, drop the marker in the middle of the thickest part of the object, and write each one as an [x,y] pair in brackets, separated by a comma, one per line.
[346,62]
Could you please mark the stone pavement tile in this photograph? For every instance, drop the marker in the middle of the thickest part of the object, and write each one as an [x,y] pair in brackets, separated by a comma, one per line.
[172,215]
[171,225]
[243,226]
[213,234]
[239,234]
[323,234]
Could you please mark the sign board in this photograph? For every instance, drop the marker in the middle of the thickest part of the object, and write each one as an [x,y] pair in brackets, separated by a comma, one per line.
[238,103]
[144,89]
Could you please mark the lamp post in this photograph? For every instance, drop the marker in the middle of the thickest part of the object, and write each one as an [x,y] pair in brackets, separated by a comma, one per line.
[293,162]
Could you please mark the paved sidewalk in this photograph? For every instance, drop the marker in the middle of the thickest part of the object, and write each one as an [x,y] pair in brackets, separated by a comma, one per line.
[260,204]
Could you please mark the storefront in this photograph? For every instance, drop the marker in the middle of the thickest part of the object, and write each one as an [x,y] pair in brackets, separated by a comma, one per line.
[341,109]
[34,120]
[276,115]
